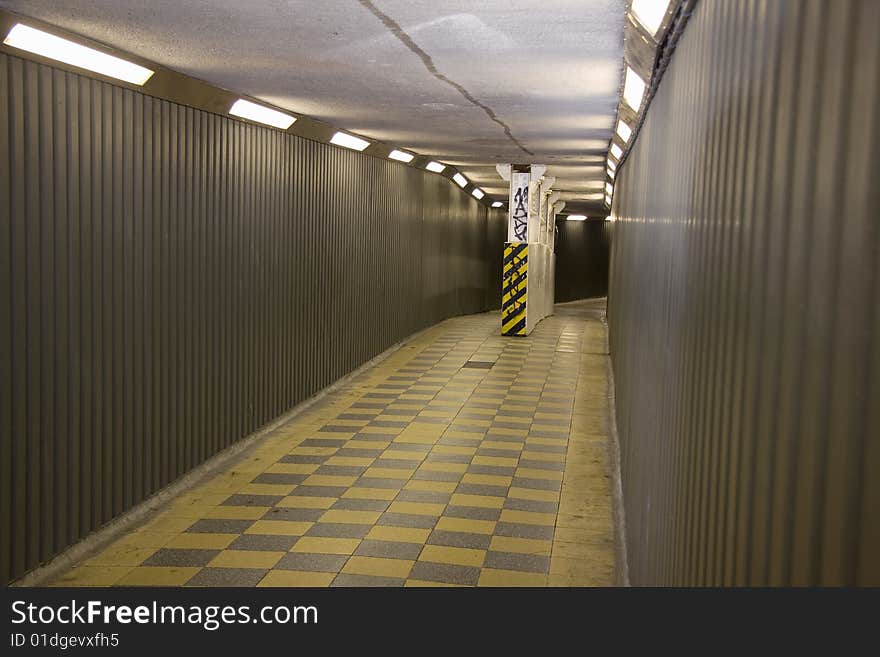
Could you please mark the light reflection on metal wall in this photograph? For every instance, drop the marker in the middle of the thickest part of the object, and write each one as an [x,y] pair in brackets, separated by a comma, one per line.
[745,302]
[172,280]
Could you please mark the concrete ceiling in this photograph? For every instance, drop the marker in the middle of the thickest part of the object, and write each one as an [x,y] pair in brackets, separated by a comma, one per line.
[469,82]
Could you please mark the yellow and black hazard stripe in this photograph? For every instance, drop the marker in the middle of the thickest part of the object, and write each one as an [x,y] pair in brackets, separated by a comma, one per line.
[514,288]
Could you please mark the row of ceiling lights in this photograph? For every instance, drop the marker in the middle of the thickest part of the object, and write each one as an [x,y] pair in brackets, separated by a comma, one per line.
[69,52]
[650,15]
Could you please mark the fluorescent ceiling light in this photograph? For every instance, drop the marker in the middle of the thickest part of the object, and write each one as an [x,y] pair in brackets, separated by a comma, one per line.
[650,13]
[608,201]
[576,217]
[633,89]
[349,141]
[608,218]
[62,50]
[477,193]
[436,167]
[609,189]
[624,131]
[401,156]
[616,151]
[612,166]
[261,114]
[460,180]
[611,174]
[497,204]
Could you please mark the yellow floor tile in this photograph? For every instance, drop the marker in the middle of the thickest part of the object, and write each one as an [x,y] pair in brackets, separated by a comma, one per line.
[494,577]
[145,539]
[550,457]
[166,523]
[453,555]
[528,517]
[293,468]
[403,455]
[92,576]
[504,431]
[555,442]
[414,439]
[246,559]
[378,567]
[287,578]
[398,534]
[534,473]
[466,525]
[495,461]
[157,576]
[326,545]
[122,555]
[235,512]
[351,517]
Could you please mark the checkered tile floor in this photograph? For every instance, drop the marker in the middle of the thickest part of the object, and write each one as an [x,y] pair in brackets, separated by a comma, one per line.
[465,458]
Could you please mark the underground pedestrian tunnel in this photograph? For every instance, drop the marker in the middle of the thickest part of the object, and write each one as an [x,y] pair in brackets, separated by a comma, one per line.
[407,293]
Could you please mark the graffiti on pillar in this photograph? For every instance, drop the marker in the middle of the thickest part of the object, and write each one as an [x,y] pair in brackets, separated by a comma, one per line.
[520,213]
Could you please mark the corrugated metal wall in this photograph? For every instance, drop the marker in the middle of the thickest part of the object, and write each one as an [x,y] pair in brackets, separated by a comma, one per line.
[171,280]
[582,252]
[745,302]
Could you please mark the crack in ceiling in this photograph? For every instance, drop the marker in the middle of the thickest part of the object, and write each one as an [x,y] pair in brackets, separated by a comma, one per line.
[395,28]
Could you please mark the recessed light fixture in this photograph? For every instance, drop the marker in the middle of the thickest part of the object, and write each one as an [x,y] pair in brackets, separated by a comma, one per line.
[616,152]
[497,204]
[611,174]
[460,180]
[633,89]
[624,131]
[48,45]
[612,166]
[609,189]
[650,13]
[477,193]
[349,141]
[608,201]
[401,156]
[576,217]
[608,218]
[436,167]
[261,114]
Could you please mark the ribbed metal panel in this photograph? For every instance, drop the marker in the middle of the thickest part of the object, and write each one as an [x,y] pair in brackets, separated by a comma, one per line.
[582,252]
[172,280]
[745,302]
